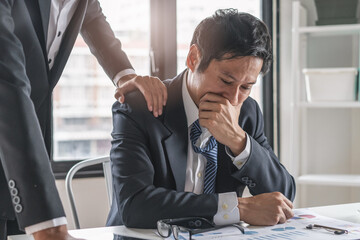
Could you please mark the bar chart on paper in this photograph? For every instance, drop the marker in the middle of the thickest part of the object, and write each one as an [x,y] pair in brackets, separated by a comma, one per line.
[279,233]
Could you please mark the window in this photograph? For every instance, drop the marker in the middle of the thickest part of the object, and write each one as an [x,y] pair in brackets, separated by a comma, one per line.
[83,98]
[155,34]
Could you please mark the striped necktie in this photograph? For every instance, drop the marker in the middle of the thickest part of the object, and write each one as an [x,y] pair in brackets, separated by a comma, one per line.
[210,153]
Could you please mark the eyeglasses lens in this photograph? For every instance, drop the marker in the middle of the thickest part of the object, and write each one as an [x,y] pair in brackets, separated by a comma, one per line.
[175,230]
[164,229]
[181,233]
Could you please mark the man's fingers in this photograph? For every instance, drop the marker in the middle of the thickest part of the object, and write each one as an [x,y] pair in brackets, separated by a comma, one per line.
[121,99]
[288,212]
[123,89]
[153,90]
[209,106]
[165,94]
[148,97]
[212,97]
[282,218]
[288,202]
[207,115]
[156,104]
[160,100]
[158,94]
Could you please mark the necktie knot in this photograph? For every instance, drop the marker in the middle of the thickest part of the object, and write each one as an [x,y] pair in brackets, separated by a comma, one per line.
[195,133]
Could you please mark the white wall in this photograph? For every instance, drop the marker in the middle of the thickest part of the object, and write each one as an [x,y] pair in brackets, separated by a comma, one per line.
[91,199]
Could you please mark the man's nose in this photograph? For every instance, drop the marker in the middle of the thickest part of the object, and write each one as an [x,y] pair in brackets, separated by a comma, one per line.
[234,97]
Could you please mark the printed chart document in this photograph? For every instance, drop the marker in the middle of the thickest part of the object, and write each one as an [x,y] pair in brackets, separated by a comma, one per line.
[293,229]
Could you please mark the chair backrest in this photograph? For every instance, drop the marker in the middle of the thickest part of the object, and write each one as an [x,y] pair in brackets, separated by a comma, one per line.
[70,175]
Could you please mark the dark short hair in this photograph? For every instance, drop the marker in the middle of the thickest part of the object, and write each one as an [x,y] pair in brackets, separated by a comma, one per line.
[235,33]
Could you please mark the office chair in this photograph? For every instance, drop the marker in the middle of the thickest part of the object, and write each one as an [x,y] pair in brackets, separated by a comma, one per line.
[70,175]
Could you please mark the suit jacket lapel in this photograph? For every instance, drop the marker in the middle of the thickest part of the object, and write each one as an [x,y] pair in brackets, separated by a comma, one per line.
[71,33]
[44,6]
[39,11]
[176,143]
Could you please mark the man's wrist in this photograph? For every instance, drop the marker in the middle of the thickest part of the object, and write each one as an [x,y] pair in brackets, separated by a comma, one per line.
[125,78]
[238,143]
[121,74]
[242,205]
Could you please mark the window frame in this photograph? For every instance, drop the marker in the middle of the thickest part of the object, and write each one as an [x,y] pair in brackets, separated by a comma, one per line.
[163,64]
[270,88]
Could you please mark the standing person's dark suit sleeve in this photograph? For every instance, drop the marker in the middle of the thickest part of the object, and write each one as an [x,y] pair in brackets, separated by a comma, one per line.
[262,172]
[24,158]
[102,42]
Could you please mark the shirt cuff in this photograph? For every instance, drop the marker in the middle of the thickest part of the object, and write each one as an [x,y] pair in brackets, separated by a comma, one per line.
[228,212]
[45,225]
[240,159]
[122,74]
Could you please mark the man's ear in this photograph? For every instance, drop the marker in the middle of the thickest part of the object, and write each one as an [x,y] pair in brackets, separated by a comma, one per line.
[193,58]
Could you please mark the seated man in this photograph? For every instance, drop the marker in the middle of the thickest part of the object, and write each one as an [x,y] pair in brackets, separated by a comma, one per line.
[198,156]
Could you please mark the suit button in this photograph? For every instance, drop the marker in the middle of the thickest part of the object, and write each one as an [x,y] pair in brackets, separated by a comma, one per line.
[226,216]
[199,175]
[16,200]
[18,208]
[14,191]
[244,178]
[225,206]
[11,183]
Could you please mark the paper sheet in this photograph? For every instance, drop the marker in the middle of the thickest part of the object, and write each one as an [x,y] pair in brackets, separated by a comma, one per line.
[293,229]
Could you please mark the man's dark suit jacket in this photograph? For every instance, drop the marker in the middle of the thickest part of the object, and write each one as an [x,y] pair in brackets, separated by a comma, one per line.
[26,85]
[149,158]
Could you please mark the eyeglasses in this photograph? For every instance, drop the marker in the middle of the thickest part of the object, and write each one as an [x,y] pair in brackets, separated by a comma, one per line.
[337,231]
[188,227]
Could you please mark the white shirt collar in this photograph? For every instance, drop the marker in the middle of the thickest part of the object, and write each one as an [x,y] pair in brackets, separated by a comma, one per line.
[191,110]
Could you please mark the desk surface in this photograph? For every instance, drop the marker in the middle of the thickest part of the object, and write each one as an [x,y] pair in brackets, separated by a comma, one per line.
[348,212]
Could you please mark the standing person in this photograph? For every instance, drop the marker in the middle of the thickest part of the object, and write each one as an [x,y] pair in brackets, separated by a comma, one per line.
[36,38]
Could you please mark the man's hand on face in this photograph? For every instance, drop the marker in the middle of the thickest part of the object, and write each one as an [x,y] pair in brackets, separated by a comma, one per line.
[54,233]
[222,120]
[265,209]
[152,88]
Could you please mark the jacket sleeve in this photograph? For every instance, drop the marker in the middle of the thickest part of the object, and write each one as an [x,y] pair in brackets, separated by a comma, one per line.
[140,203]
[102,42]
[262,172]
[22,149]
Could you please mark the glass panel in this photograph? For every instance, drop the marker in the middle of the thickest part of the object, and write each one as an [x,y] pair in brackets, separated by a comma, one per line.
[189,15]
[83,98]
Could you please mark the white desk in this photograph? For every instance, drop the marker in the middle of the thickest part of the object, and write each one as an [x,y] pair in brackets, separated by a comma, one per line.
[104,233]
[348,212]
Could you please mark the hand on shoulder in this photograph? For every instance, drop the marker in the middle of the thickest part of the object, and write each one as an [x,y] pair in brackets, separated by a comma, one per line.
[153,89]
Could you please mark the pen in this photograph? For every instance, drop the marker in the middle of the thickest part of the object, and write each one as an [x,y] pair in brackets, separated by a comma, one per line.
[337,231]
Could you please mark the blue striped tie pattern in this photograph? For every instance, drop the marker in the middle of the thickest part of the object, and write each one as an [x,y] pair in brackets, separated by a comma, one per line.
[210,153]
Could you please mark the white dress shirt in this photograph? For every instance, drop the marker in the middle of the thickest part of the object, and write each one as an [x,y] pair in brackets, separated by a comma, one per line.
[228,211]
[61,12]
